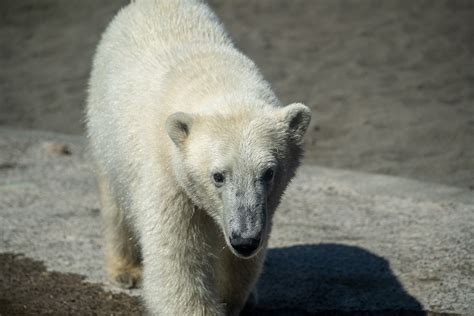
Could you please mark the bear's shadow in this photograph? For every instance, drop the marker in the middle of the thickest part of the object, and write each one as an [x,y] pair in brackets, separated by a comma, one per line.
[308,279]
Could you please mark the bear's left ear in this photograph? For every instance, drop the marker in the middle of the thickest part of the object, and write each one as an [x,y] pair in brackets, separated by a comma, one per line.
[178,126]
[297,117]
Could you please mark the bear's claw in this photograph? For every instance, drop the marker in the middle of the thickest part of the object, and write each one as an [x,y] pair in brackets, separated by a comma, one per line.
[128,279]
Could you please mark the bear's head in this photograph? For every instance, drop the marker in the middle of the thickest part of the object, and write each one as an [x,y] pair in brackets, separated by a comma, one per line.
[237,166]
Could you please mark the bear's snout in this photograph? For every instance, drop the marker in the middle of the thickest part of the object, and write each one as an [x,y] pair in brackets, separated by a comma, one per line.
[244,246]
[246,233]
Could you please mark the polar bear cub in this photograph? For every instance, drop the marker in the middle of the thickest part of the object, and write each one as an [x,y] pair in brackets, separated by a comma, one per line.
[193,152]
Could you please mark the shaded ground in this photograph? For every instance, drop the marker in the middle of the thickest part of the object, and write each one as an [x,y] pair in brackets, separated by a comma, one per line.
[27,288]
[390,83]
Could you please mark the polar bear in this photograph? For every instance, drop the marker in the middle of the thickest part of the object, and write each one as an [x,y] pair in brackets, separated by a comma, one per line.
[193,152]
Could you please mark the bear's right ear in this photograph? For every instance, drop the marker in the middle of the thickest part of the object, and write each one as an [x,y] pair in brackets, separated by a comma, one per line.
[178,126]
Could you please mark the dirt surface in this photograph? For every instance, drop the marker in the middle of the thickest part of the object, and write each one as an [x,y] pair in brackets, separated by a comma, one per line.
[390,83]
[26,288]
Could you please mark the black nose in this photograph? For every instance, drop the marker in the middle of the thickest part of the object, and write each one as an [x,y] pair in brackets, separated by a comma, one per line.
[245,246]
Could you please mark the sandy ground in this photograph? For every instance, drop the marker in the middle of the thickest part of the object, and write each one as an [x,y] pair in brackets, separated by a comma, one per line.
[391,83]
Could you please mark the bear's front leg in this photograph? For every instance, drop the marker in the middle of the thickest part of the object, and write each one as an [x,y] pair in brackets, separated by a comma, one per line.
[178,262]
[122,254]
[237,281]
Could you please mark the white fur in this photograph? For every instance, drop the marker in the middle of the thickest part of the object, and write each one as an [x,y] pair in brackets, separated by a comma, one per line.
[158,203]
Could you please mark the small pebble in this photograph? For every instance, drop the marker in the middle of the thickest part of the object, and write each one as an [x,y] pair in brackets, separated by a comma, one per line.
[57,148]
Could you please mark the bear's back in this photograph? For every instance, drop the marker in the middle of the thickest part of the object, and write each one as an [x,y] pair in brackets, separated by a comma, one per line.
[142,44]
[155,31]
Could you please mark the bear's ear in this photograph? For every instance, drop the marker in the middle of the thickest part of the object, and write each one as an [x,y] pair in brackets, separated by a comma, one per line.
[178,126]
[297,117]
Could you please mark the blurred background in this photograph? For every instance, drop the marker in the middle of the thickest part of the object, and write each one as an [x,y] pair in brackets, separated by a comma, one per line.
[390,83]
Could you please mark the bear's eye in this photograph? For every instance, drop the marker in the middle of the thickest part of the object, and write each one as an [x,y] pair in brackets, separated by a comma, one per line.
[218,178]
[268,175]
